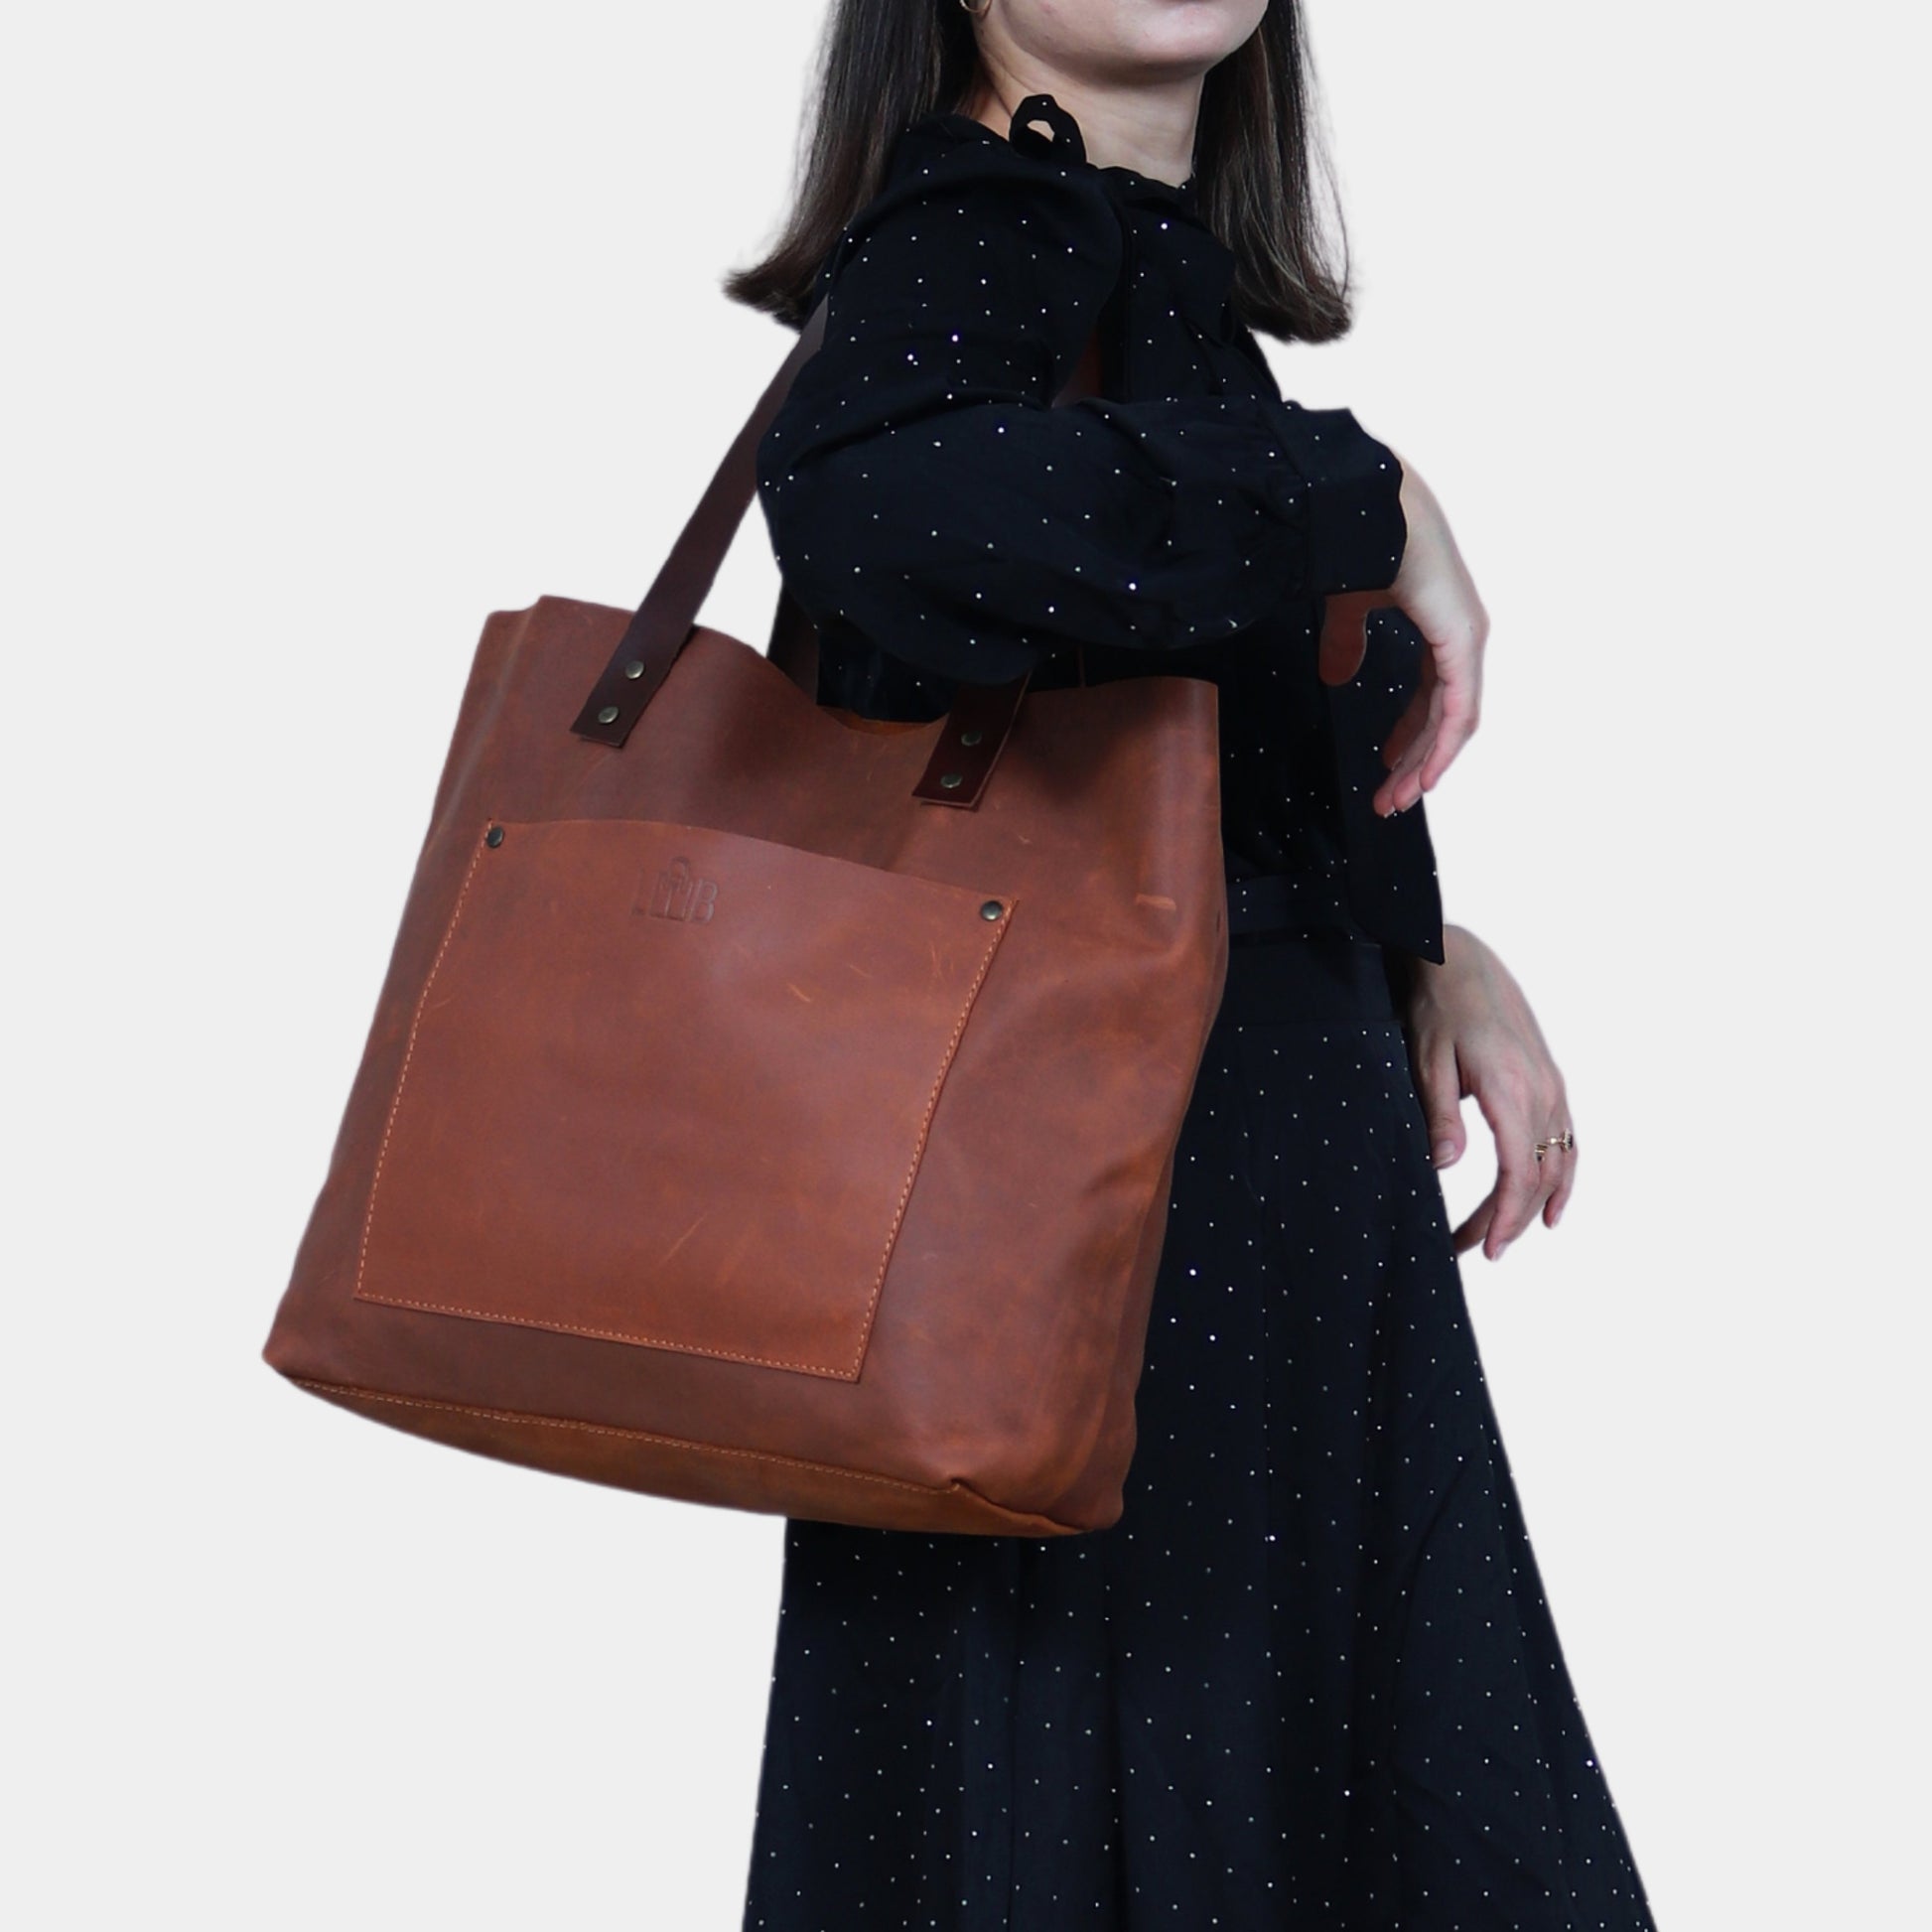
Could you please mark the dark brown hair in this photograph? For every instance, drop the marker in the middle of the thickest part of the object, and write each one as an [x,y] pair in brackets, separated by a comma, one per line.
[1258,152]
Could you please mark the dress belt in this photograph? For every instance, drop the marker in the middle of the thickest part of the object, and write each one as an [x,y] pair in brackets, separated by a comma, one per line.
[1285,901]
[1326,967]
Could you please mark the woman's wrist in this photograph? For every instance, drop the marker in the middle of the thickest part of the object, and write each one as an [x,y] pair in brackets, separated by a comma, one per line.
[1418,977]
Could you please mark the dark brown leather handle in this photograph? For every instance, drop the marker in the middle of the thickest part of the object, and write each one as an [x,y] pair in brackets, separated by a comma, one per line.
[982,714]
[664,620]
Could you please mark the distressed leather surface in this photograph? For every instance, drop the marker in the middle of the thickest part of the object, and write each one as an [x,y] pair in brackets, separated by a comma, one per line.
[609,991]
[844,1122]
[738,1125]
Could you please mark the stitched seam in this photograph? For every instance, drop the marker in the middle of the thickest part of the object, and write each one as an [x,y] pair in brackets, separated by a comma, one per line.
[625,1435]
[925,1130]
[604,1334]
[409,1053]
[525,1321]
[828,1369]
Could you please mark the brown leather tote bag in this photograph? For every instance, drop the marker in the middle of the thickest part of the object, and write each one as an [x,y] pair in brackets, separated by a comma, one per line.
[766,1107]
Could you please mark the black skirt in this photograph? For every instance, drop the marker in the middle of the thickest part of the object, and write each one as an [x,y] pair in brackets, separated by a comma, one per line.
[1308,1680]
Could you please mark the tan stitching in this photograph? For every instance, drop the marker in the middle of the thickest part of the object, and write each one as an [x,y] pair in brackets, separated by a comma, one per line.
[484,1314]
[402,1076]
[361,1293]
[925,1129]
[627,1435]
[604,1334]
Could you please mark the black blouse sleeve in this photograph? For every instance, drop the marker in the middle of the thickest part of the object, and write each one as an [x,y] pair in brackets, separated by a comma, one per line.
[919,487]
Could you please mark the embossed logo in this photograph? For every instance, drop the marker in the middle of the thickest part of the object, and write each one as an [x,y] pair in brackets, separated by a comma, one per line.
[678,893]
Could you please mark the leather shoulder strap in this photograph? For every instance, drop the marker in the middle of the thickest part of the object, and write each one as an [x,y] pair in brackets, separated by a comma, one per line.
[664,620]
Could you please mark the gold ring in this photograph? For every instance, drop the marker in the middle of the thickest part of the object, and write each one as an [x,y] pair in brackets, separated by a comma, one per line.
[1566,1140]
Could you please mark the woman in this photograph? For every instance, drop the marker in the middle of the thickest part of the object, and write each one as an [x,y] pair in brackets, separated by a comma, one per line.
[1309,1678]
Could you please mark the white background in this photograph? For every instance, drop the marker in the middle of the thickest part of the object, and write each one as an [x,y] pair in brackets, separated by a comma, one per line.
[331,330]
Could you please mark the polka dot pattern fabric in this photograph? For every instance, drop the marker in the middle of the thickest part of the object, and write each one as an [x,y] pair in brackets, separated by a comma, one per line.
[939,520]
[1308,1682]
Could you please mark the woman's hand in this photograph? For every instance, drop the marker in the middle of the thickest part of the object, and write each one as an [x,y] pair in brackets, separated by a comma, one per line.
[1434,589]
[1471,1033]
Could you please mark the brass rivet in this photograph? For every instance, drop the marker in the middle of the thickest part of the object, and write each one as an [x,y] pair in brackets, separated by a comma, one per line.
[494,836]
[636,668]
[991,909]
[952,780]
[608,715]
[971,736]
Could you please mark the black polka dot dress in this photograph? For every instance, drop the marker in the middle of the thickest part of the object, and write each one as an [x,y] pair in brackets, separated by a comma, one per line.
[1308,1680]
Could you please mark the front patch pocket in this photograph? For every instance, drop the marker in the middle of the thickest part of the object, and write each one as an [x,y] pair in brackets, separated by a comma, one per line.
[671,1086]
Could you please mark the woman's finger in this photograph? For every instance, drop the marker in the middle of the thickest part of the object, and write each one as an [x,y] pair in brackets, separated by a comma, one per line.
[1432,588]
[1517,1195]
[1565,1171]
[1409,744]
[1542,1174]
[1475,1225]
[1440,720]
[1439,1086]
[1424,748]
[1457,716]
[1442,715]
[1414,718]
[1518,1191]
